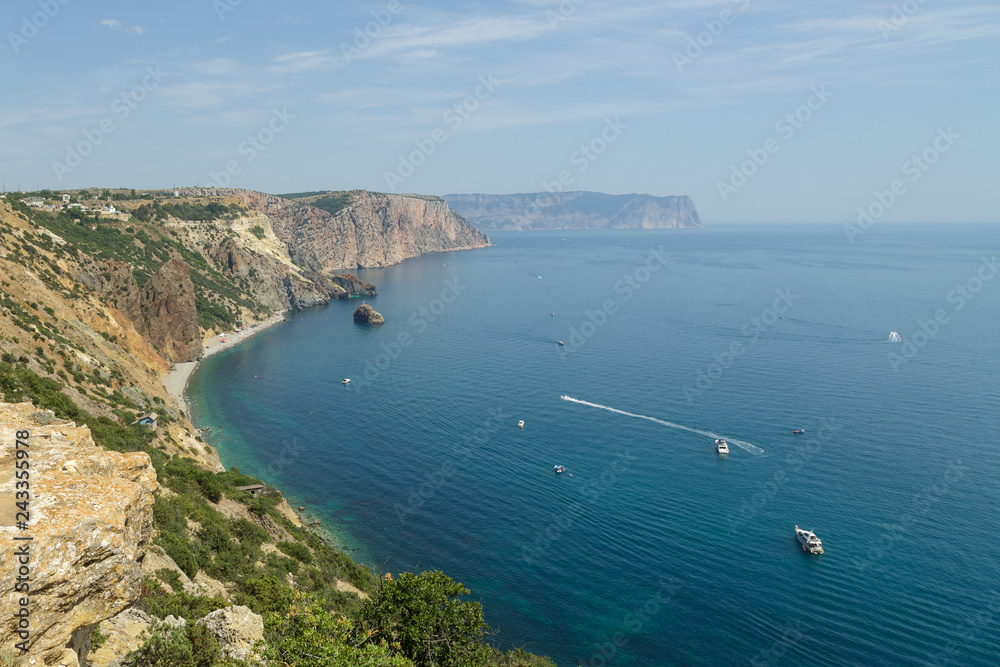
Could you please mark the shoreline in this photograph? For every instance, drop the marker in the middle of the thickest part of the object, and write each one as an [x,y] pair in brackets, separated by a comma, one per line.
[176,380]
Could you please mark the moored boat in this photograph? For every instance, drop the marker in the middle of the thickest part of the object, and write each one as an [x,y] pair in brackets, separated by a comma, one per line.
[799,431]
[346,381]
[810,543]
[559,469]
[520,424]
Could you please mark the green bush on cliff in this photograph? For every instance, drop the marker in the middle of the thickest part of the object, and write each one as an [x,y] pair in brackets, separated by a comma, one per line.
[171,646]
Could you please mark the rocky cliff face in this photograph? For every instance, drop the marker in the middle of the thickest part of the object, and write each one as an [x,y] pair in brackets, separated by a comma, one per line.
[91,521]
[162,311]
[374,230]
[575,210]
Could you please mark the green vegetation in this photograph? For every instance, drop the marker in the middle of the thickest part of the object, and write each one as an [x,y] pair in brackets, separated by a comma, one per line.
[172,646]
[331,202]
[258,231]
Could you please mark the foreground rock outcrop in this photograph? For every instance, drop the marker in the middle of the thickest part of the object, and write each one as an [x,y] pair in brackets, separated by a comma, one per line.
[575,210]
[91,520]
[368,315]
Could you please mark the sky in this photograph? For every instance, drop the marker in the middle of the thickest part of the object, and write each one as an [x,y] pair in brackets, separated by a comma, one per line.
[761,111]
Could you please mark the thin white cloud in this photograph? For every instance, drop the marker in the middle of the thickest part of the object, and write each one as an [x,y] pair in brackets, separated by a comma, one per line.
[115,24]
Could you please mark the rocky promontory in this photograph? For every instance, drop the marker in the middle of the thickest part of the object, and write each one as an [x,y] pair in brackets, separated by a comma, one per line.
[365,314]
[575,210]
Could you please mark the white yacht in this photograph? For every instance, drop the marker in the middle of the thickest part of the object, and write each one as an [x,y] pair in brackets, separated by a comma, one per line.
[346,381]
[722,447]
[520,424]
[810,543]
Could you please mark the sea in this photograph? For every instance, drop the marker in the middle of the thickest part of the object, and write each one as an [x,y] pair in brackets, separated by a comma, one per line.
[651,549]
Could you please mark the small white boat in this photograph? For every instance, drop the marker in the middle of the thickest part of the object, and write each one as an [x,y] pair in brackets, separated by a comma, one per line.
[810,543]
[559,469]
[722,447]
[346,381]
[520,424]
[560,342]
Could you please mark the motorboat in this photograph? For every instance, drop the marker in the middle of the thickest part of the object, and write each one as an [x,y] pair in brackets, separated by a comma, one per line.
[722,447]
[346,381]
[520,424]
[799,431]
[559,469]
[561,343]
[810,543]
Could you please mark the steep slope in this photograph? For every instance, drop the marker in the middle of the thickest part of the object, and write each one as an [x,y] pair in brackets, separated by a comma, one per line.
[366,229]
[575,210]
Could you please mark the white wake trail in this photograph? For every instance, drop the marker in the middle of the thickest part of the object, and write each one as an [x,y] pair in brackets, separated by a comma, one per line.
[750,447]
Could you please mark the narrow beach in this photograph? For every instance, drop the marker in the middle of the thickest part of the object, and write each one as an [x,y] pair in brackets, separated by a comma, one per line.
[177,379]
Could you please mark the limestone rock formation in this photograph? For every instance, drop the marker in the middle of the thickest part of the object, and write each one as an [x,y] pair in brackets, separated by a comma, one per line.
[373,230]
[91,520]
[237,629]
[124,634]
[575,210]
[367,315]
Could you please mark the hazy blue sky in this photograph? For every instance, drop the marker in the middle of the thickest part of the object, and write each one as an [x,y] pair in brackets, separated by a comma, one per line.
[667,97]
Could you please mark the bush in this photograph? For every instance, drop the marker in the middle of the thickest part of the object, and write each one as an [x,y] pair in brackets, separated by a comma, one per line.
[171,646]
[297,551]
[422,615]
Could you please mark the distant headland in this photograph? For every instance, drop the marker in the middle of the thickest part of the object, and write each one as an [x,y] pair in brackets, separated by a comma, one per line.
[575,210]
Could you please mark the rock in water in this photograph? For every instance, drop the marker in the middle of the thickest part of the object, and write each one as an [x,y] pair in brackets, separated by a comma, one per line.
[367,315]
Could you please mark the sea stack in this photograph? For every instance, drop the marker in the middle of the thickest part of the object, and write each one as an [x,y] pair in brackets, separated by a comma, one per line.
[367,315]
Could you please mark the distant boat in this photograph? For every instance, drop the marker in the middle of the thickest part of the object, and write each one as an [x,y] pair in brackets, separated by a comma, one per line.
[561,343]
[799,431]
[810,543]
[894,337]
[559,469]
[346,381]
[722,447]
[520,424]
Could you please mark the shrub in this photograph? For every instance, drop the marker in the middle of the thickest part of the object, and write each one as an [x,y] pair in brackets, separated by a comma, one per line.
[297,551]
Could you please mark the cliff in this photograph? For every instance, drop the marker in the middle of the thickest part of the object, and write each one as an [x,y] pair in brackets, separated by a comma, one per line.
[575,210]
[367,230]
[91,522]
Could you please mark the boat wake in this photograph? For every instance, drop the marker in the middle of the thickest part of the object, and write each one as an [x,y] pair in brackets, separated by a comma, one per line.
[750,447]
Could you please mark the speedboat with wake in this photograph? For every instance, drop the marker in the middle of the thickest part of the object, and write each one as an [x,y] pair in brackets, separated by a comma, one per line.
[810,543]
[722,447]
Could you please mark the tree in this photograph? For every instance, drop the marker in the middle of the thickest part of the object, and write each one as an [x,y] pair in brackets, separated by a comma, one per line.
[422,616]
[308,636]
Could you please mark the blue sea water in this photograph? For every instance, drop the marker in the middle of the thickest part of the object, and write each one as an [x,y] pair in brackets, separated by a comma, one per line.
[652,550]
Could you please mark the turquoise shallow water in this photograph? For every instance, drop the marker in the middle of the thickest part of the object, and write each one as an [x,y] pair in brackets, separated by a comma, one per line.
[654,551]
